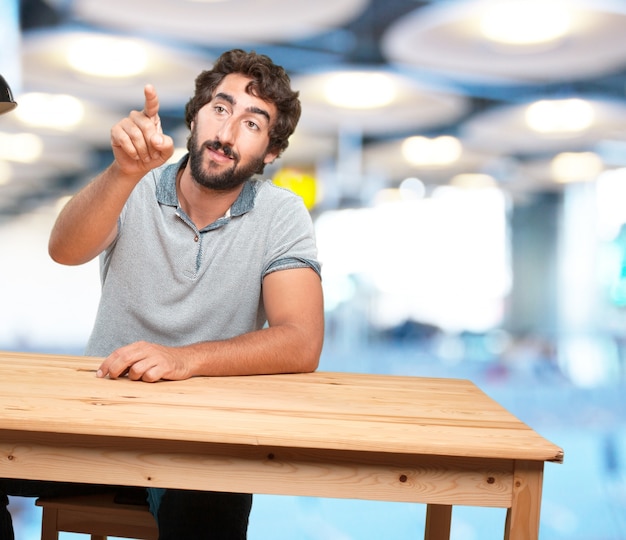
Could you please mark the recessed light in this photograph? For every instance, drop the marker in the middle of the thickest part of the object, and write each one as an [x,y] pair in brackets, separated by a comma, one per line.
[359,90]
[525,22]
[107,56]
[560,116]
[440,151]
[59,111]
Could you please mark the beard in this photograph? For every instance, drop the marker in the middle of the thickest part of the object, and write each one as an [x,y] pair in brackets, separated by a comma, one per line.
[225,180]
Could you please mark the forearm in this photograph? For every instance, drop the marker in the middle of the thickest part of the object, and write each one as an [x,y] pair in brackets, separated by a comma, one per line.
[278,349]
[88,222]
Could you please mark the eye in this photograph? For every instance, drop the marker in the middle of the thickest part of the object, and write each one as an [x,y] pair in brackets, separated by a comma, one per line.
[252,125]
[219,109]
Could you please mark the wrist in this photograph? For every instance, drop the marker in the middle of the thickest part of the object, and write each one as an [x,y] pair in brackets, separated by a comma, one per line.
[120,174]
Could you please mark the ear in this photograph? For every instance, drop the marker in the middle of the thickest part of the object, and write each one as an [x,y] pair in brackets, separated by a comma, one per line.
[270,156]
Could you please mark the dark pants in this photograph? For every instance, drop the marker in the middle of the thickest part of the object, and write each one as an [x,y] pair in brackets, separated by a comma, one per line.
[192,515]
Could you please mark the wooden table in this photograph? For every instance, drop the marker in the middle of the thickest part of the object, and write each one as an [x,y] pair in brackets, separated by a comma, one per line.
[441,442]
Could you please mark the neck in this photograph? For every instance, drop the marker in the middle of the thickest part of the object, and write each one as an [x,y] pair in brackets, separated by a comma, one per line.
[203,205]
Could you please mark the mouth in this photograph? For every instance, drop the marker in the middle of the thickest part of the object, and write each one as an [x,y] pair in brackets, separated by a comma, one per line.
[220,153]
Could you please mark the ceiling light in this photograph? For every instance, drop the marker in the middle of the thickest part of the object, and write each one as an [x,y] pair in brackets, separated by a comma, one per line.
[525,22]
[359,90]
[48,110]
[422,151]
[560,116]
[20,147]
[576,167]
[106,56]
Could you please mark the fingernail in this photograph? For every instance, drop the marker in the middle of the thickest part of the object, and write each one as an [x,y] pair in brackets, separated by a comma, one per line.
[99,373]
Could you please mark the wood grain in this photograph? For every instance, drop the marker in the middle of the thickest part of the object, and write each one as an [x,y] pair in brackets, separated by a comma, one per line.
[316,410]
[441,442]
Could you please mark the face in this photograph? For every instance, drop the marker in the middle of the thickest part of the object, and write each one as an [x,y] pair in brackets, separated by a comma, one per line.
[230,136]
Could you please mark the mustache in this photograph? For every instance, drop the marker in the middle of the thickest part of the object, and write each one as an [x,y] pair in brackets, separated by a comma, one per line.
[226,149]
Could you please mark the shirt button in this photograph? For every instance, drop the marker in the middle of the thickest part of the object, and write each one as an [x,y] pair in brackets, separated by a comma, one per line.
[195,238]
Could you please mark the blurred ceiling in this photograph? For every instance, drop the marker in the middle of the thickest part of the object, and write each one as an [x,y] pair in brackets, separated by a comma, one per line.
[444,78]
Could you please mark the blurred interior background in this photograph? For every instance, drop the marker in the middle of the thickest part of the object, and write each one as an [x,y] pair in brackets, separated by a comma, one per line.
[465,166]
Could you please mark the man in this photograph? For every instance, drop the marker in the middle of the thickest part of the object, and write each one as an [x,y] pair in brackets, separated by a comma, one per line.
[205,271]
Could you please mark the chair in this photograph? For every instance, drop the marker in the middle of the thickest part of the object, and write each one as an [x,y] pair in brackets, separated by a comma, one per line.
[97,515]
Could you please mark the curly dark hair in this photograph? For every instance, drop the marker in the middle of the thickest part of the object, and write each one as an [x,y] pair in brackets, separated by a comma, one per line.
[269,83]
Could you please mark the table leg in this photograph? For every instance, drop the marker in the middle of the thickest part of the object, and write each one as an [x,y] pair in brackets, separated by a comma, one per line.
[522,519]
[49,529]
[438,521]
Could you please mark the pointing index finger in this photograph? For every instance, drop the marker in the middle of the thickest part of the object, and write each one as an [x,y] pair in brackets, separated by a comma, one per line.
[151,107]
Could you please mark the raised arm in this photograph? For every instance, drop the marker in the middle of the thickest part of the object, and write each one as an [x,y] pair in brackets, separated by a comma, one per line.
[88,223]
[291,344]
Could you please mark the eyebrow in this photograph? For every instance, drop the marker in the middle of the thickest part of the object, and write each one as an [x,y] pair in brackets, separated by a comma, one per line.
[230,99]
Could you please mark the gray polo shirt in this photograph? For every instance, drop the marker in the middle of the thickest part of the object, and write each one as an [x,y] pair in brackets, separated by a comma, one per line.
[165,281]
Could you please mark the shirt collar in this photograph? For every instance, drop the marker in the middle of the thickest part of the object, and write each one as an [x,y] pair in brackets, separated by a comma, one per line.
[166,190]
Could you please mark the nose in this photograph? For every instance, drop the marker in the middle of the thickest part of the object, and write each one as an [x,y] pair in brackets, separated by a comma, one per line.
[227,132]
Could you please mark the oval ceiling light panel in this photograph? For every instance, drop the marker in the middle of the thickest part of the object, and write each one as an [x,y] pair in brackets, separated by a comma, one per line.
[110,70]
[545,126]
[567,40]
[374,101]
[215,23]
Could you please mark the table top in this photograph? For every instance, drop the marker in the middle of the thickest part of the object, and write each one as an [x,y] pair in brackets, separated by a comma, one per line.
[58,394]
